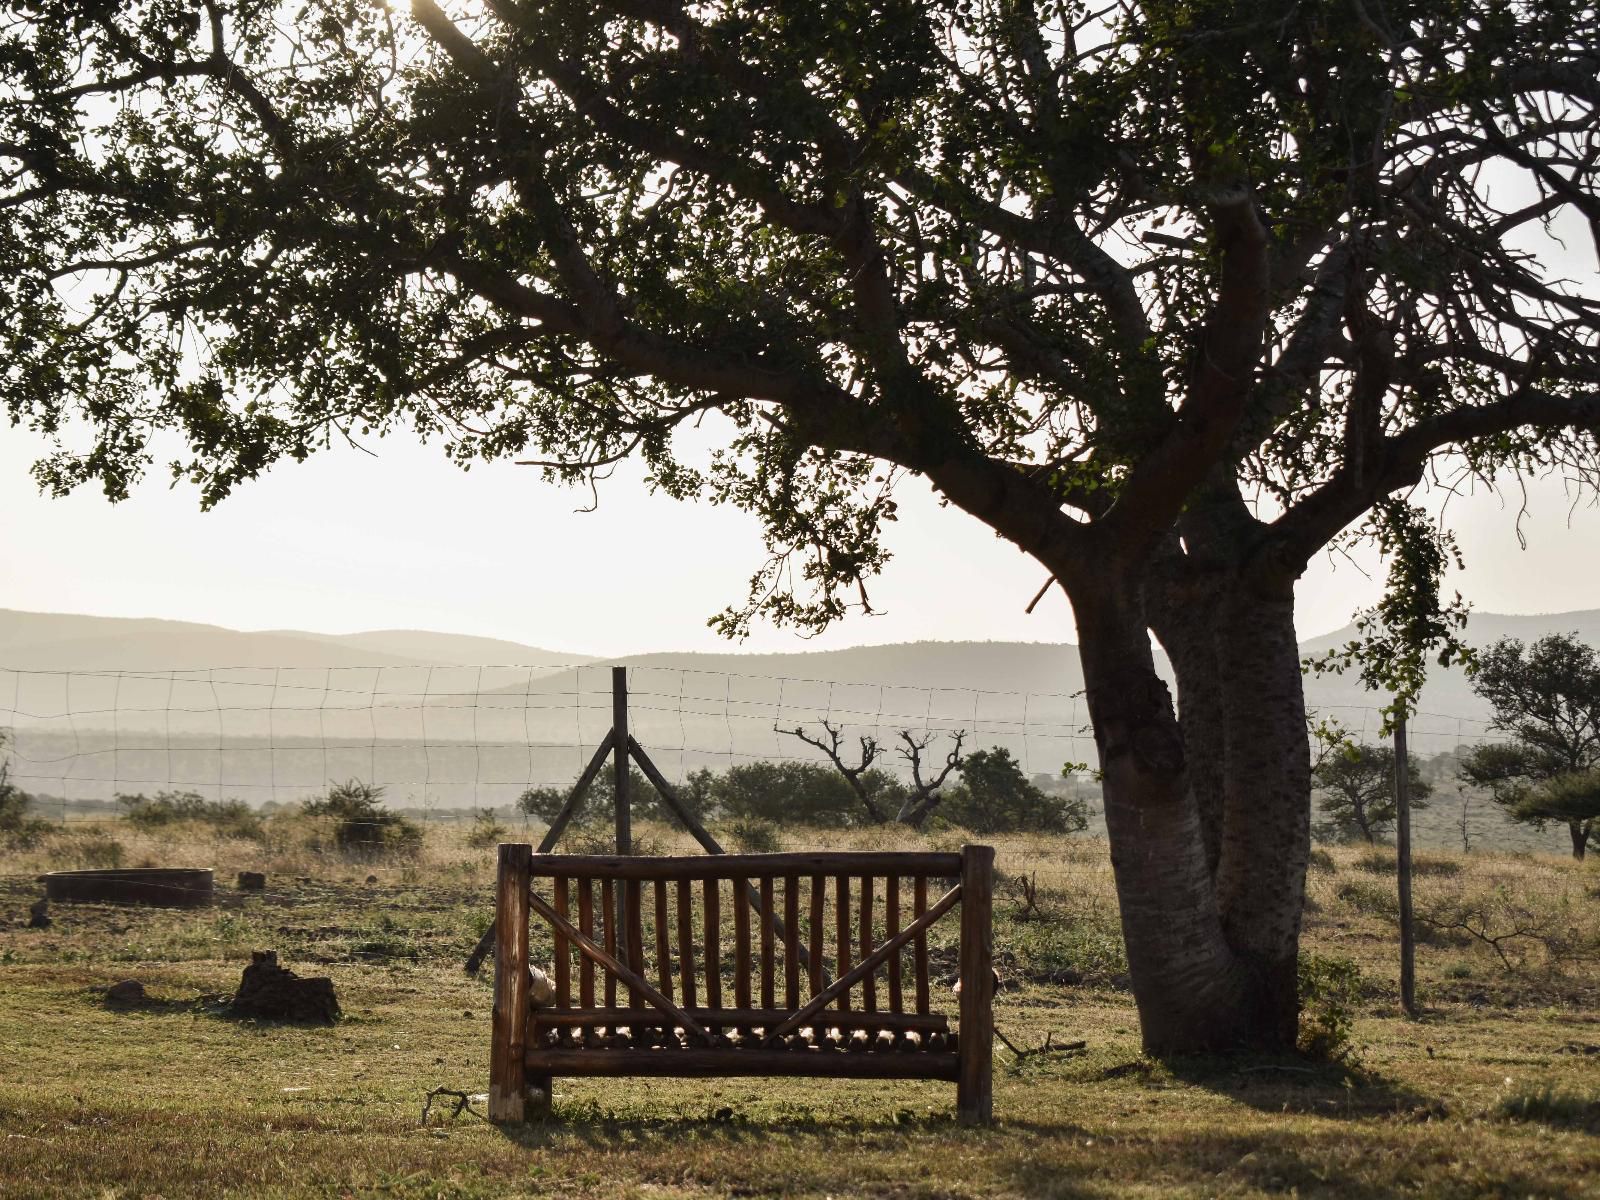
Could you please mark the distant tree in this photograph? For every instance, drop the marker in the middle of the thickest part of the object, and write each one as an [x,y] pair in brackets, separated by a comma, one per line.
[994,796]
[14,801]
[1573,798]
[854,775]
[1547,697]
[925,795]
[1357,790]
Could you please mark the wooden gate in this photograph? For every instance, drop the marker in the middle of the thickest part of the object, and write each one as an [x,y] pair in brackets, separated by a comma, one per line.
[828,973]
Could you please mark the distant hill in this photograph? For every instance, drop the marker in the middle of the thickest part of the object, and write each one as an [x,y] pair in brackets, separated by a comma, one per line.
[69,642]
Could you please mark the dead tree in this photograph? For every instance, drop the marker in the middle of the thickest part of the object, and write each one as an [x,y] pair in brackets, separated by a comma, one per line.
[925,794]
[852,775]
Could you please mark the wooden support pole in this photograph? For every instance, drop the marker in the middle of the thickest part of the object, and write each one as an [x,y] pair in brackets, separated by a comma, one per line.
[975,1081]
[508,1057]
[619,766]
[1402,848]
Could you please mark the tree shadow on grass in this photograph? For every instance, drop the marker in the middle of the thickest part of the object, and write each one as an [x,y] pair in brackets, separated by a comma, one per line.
[1288,1083]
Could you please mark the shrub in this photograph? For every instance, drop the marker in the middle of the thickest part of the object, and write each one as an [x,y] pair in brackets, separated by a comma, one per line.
[486,830]
[228,818]
[1330,991]
[1321,860]
[994,796]
[362,829]
[754,837]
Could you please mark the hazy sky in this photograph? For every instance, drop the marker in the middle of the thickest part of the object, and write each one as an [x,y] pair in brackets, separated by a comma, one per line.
[405,540]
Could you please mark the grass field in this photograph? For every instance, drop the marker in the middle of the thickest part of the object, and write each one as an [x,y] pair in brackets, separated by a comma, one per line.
[1495,1092]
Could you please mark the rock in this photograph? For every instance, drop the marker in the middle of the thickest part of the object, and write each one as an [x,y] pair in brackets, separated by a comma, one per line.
[39,914]
[129,991]
[252,881]
[276,993]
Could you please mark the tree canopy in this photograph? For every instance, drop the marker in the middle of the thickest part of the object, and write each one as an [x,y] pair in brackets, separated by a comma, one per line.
[1546,697]
[1357,784]
[1171,295]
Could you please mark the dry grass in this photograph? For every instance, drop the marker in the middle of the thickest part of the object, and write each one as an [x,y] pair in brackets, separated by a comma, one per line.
[1491,1094]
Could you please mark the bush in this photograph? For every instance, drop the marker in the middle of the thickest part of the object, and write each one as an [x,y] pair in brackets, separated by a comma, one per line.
[228,818]
[994,796]
[486,830]
[1330,991]
[362,829]
[1384,862]
[754,837]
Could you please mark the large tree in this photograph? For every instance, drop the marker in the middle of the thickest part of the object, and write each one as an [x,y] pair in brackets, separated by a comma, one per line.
[1169,294]
[1546,698]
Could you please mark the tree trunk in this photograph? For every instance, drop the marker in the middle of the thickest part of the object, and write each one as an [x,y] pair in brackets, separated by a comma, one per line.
[1190,987]
[1580,838]
[1247,755]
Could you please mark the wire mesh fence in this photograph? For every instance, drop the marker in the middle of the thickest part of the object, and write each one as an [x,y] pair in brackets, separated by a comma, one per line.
[458,737]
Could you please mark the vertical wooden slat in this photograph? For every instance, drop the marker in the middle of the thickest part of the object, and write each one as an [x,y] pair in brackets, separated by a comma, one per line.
[791,941]
[842,934]
[768,992]
[608,914]
[818,895]
[891,926]
[563,953]
[586,927]
[869,985]
[633,927]
[508,1070]
[919,953]
[975,1069]
[663,942]
[686,942]
[713,917]
[741,943]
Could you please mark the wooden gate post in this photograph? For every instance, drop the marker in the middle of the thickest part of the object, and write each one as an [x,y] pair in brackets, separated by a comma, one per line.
[508,1099]
[975,1078]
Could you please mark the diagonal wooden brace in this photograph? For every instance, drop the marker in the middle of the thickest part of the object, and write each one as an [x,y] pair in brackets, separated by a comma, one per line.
[867,965]
[610,963]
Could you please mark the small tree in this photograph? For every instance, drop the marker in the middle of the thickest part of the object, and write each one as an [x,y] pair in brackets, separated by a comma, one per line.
[994,796]
[1357,788]
[1547,697]
[1573,799]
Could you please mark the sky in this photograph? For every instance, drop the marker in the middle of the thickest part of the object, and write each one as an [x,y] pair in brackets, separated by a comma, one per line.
[403,539]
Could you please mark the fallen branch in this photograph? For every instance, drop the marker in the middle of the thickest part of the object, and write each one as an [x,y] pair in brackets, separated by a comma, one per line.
[1024,1053]
[462,1099]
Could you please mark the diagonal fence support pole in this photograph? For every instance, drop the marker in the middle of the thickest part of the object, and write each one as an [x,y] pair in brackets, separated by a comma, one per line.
[557,827]
[703,835]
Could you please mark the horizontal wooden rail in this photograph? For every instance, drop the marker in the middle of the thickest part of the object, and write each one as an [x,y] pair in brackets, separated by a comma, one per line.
[763,1018]
[694,1063]
[743,866]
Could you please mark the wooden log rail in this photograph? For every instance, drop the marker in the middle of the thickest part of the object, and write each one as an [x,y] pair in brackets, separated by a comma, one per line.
[733,965]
